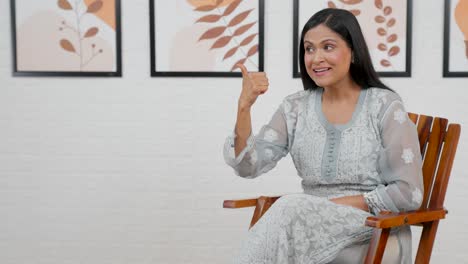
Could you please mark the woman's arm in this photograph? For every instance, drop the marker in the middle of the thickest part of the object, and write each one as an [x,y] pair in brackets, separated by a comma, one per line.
[253,84]
[356,201]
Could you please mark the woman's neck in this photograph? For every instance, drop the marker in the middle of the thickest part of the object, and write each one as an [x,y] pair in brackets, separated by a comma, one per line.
[348,91]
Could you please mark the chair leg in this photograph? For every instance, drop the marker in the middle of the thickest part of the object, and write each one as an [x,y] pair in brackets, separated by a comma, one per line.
[426,242]
[377,246]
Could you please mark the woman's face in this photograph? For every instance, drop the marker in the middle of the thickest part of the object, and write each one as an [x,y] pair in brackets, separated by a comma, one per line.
[327,57]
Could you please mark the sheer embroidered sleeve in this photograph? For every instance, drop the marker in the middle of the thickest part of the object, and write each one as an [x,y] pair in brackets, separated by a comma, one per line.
[263,151]
[400,163]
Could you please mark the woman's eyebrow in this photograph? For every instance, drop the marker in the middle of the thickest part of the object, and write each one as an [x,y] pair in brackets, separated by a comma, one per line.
[325,40]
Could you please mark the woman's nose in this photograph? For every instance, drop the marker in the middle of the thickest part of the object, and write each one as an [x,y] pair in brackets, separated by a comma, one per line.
[317,57]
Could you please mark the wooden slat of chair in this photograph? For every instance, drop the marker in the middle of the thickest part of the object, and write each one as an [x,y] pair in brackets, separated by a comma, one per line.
[435,186]
[436,143]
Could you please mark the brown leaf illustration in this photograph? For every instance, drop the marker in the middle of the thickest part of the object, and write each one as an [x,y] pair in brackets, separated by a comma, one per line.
[331,4]
[64,4]
[387,10]
[392,38]
[239,18]
[350,2]
[252,50]
[382,47]
[209,18]
[230,53]
[91,32]
[385,63]
[394,51]
[378,4]
[248,39]
[241,61]
[391,22]
[243,29]
[221,42]
[213,33]
[205,8]
[67,45]
[381,31]
[379,19]
[355,12]
[94,6]
[231,7]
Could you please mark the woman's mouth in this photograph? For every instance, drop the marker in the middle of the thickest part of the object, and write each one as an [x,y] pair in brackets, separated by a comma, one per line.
[321,71]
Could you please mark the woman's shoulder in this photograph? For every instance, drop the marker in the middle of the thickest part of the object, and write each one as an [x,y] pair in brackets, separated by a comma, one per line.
[381,100]
[295,101]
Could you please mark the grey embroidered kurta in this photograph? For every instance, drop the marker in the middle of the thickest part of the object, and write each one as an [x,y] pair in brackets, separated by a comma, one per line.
[375,154]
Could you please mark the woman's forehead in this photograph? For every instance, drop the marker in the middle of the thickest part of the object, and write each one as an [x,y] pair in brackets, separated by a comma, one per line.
[320,34]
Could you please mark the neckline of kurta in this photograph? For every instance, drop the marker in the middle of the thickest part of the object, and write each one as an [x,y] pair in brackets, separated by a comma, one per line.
[338,127]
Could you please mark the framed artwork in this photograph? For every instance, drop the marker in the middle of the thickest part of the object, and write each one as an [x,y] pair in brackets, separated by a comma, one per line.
[456,38]
[386,25]
[66,38]
[208,38]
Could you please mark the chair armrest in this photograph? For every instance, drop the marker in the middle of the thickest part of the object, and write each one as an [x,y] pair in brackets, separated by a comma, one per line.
[249,202]
[388,219]
[240,203]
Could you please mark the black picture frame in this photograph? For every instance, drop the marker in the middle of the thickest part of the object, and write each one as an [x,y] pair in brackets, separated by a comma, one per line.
[406,72]
[447,43]
[16,72]
[158,72]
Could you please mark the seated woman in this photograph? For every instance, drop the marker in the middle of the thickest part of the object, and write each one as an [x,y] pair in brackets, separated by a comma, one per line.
[351,142]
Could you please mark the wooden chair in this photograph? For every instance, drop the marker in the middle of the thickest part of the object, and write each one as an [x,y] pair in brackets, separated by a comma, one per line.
[438,141]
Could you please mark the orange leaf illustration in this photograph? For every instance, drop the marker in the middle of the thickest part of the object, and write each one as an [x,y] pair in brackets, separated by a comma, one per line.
[243,29]
[385,63]
[67,45]
[239,18]
[379,19]
[252,50]
[213,33]
[91,32]
[381,31]
[64,4]
[387,10]
[248,39]
[221,42]
[231,7]
[230,53]
[331,4]
[205,8]
[241,61]
[209,18]
[350,2]
[394,51]
[392,38]
[355,12]
[378,4]
[391,22]
[382,47]
[94,6]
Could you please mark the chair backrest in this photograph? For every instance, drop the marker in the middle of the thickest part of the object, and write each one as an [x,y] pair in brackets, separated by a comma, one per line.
[438,147]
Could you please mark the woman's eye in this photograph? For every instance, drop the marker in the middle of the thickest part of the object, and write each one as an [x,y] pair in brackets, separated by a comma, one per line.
[328,47]
[309,49]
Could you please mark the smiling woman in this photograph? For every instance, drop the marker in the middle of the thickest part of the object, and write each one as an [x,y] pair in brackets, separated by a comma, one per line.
[351,142]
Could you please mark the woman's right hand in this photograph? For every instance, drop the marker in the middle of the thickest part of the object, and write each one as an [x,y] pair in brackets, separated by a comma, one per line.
[253,85]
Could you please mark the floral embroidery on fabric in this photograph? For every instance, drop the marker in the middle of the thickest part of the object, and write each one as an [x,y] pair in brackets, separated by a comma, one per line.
[399,116]
[269,154]
[271,135]
[417,196]
[407,155]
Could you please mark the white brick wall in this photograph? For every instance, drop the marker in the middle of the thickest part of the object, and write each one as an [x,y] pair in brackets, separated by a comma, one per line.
[130,170]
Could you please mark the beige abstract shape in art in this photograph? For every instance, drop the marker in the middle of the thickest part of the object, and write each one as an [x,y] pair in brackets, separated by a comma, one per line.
[461,17]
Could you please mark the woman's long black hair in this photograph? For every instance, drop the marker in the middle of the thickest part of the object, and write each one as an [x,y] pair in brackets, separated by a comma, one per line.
[346,25]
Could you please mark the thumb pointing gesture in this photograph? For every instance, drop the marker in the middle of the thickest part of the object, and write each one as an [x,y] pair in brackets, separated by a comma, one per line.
[253,85]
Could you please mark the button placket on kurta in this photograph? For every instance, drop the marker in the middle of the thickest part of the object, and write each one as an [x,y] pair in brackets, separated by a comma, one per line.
[333,141]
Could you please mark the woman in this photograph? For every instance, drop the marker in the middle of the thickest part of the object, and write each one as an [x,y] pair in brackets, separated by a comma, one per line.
[351,142]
